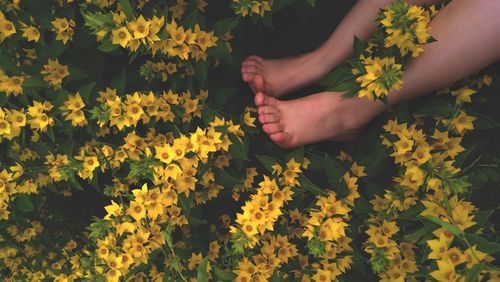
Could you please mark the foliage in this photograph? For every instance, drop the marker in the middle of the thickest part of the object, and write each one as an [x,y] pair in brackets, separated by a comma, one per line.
[122,157]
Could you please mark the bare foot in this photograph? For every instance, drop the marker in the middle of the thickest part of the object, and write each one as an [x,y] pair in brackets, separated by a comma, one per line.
[278,77]
[315,118]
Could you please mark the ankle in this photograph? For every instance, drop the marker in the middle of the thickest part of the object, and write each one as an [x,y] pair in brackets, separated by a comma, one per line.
[360,111]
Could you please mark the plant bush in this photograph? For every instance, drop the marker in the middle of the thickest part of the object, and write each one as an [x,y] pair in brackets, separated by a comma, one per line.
[130,151]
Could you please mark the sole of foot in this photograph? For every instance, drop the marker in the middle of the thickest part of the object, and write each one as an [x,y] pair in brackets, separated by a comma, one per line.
[325,116]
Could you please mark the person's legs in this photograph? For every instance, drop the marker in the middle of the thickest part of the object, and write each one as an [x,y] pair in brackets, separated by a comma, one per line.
[278,77]
[468,39]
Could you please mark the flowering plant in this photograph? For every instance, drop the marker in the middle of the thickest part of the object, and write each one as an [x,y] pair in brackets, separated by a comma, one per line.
[128,155]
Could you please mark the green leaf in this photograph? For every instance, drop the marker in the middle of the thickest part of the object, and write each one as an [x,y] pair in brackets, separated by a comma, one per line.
[193,221]
[223,275]
[267,161]
[201,70]
[311,2]
[484,122]
[119,82]
[23,203]
[310,186]
[435,109]
[483,244]
[202,271]
[86,90]
[34,82]
[127,9]
[220,51]
[358,47]
[279,5]
[76,73]
[473,274]
[297,154]
[343,86]
[338,74]
[50,133]
[238,150]
[334,170]
[168,238]
[107,46]
[412,213]
[185,202]
[481,219]
[226,25]
[417,235]
[268,20]
[450,227]
[226,179]
[3,99]
[222,95]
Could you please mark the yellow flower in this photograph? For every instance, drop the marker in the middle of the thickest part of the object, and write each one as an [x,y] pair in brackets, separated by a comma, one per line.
[463,94]
[31,33]
[381,75]
[113,275]
[113,209]
[322,276]
[194,261]
[422,154]
[165,153]
[462,123]
[63,29]
[54,73]
[204,39]
[176,33]
[7,28]
[139,28]
[136,210]
[121,36]
[413,178]
[11,85]
[407,27]
[445,272]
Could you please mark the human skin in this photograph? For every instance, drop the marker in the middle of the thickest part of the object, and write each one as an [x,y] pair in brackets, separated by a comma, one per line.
[468,39]
[281,76]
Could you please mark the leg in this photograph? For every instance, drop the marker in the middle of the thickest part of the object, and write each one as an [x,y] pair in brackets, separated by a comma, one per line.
[468,39]
[278,77]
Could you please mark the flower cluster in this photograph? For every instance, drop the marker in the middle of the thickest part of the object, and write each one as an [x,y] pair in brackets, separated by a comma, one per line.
[7,27]
[251,7]
[377,66]
[63,28]
[264,207]
[406,27]
[53,72]
[380,76]
[118,165]
[11,85]
[429,183]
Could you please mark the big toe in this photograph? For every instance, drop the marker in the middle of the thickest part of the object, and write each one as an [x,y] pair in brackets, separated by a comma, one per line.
[272,128]
[263,100]
[248,77]
[283,139]
[258,83]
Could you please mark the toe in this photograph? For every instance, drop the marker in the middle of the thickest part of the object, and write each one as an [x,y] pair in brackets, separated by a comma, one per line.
[269,118]
[251,69]
[268,110]
[271,128]
[279,137]
[264,100]
[247,77]
[250,63]
[258,83]
[255,58]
